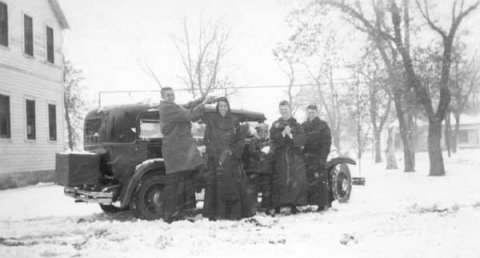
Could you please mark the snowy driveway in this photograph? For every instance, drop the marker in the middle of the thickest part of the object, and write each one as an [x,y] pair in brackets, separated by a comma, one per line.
[394,215]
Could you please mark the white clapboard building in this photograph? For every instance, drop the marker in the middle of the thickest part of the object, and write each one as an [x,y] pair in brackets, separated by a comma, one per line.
[31,91]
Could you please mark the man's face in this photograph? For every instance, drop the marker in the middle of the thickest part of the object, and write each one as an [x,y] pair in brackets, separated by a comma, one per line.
[168,96]
[284,111]
[311,114]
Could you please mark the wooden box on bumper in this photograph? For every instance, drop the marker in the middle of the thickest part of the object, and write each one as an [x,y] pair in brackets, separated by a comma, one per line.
[77,169]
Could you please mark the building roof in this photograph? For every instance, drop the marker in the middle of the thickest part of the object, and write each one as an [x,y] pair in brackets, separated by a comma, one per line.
[57,10]
[465,120]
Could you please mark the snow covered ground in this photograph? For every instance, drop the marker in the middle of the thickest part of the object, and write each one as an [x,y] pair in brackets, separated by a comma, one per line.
[395,214]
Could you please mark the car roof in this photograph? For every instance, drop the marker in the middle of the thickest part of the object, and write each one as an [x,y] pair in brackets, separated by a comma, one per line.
[240,114]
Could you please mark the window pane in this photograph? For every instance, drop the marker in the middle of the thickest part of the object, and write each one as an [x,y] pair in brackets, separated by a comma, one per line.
[50,46]
[4,116]
[52,122]
[150,129]
[30,119]
[28,34]
[3,24]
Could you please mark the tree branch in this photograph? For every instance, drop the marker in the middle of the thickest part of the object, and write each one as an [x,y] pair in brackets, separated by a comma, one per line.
[357,15]
[426,15]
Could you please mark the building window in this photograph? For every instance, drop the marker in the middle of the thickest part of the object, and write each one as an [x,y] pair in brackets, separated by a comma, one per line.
[31,119]
[52,122]
[4,116]
[3,24]
[50,46]
[28,34]
[463,136]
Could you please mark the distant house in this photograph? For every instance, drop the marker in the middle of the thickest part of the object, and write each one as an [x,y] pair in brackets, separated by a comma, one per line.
[31,91]
[468,134]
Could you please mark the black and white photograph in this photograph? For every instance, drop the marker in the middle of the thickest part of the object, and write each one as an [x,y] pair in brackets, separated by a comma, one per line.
[255,128]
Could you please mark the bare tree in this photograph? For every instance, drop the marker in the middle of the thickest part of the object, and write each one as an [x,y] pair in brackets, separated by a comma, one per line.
[320,62]
[288,62]
[380,97]
[74,105]
[466,79]
[375,28]
[312,53]
[202,55]
[148,69]
[435,117]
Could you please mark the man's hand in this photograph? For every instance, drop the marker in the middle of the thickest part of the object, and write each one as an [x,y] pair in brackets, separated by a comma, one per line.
[287,131]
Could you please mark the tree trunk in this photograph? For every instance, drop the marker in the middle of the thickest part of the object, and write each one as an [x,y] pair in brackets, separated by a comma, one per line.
[448,132]
[455,132]
[434,149]
[378,155]
[405,135]
[69,125]
[390,151]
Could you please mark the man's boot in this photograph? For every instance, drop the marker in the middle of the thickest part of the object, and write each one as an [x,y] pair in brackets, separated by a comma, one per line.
[293,209]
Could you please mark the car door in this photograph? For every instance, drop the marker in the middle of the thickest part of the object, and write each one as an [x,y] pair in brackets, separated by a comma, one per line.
[149,134]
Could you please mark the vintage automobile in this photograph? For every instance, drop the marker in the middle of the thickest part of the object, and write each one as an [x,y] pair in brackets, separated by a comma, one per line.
[122,166]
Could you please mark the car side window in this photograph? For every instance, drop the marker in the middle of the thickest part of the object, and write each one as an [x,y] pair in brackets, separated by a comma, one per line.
[150,129]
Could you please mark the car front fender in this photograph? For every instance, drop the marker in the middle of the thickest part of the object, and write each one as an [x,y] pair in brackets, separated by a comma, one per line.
[149,166]
[339,160]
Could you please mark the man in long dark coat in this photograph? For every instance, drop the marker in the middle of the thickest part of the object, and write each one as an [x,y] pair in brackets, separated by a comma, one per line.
[288,178]
[317,148]
[181,156]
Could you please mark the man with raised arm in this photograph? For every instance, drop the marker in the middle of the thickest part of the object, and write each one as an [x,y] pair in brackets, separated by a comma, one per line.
[181,156]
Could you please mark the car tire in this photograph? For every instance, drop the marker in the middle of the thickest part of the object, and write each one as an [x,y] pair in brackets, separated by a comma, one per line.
[110,209]
[341,183]
[148,200]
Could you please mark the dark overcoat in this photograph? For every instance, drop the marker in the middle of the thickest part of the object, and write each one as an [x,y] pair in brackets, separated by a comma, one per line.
[226,193]
[289,186]
[317,148]
[178,147]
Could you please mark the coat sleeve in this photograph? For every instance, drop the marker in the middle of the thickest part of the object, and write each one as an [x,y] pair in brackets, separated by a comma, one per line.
[298,136]
[313,136]
[194,103]
[174,113]
[276,138]
[239,141]
[326,141]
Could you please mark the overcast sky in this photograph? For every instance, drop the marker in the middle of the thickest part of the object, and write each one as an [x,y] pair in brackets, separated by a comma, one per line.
[107,39]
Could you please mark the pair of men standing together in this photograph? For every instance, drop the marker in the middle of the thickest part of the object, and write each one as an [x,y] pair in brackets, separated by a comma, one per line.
[226,191]
[299,155]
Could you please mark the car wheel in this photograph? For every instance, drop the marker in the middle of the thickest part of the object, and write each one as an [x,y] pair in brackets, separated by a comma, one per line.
[148,201]
[341,183]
